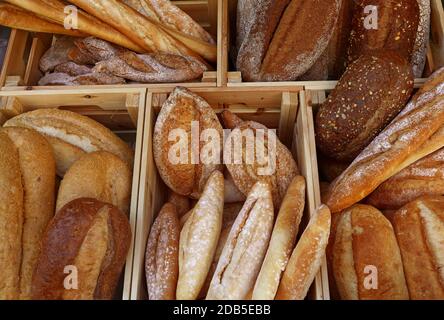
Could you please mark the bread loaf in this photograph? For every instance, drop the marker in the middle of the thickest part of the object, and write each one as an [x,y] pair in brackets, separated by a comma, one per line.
[419,228]
[391,25]
[366,258]
[199,238]
[83,252]
[162,255]
[422,38]
[395,147]
[179,111]
[372,91]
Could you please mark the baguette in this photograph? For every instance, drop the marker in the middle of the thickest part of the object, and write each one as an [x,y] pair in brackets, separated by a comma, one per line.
[162,255]
[306,259]
[419,228]
[419,56]
[91,236]
[199,238]
[11,208]
[53,10]
[17,18]
[395,148]
[245,248]
[37,166]
[282,241]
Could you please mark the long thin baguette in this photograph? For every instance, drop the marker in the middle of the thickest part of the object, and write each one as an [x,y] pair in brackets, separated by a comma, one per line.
[53,10]
[17,18]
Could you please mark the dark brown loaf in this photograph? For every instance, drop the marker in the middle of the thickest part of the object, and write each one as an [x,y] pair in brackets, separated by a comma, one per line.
[397,26]
[372,91]
[91,236]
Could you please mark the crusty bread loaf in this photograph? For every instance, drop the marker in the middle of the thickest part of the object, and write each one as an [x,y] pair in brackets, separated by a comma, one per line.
[366,258]
[306,259]
[177,113]
[98,175]
[372,91]
[162,255]
[37,171]
[423,178]
[199,238]
[419,228]
[11,217]
[245,248]
[280,40]
[282,241]
[230,120]
[394,148]
[72,134]
[83,252]
[422,38]
[393,26]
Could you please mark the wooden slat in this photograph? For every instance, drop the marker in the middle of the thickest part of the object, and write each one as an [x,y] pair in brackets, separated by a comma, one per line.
[14,62]
[222,43]
[40,44]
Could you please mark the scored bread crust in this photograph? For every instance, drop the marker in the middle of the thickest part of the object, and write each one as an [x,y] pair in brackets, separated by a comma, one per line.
[92,236]
[75,129]
[419,228]
[99,175]
[179,110]
[11,217]
[395,147]
[37,167]
[365,238]
[282,241]
[199,238]
[162,255]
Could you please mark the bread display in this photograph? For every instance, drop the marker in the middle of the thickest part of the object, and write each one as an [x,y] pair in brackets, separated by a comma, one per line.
[372,91]
[282,241]
[408,138]
[178,113]
[419,228]
[199,238]
[91,236]
[367,261]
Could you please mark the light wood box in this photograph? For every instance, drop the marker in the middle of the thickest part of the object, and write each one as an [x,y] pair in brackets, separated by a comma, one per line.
[275,108]
[435,52]
[21,65]
[120,109]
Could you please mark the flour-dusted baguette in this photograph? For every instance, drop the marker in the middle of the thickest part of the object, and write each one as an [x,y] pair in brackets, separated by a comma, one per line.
[372,91]
[280,40]
[423,178]
[199,238]
[245,248]
[11,208]
[422,38]
[381,24]
[282,241]
[419,228]
[72,135]
[162,255]
[366,258]
[306,259]
[37,172]
[99,175]
[83,252]
[180,111]
[396,147]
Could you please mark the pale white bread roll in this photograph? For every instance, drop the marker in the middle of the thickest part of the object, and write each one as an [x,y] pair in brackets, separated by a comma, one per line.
[282,241]
[98,175]
[11,217]
[367,262]
[71,135]
[419,228]
[245,248]
[306,259]
[199,238]
[37,167]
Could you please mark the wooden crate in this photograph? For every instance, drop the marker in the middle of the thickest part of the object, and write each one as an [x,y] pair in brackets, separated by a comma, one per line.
[275,108]
[21,71]
[435,52]
[121,109]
